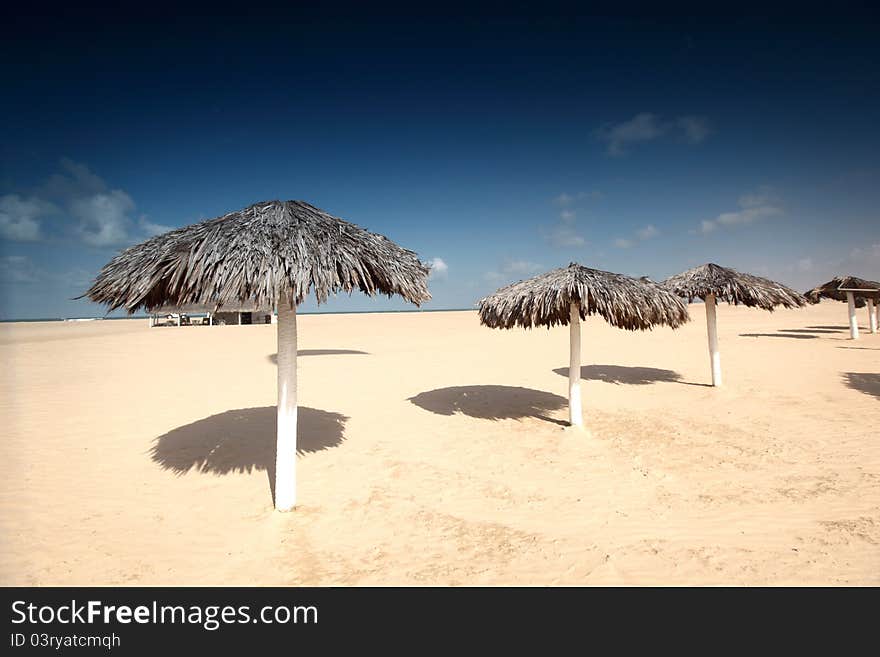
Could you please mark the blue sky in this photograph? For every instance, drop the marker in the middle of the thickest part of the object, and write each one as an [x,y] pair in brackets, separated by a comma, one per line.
[496,145]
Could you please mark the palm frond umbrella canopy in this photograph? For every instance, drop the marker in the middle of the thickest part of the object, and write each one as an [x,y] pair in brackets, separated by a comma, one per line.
[857,292]
[711,283]
[570,294]
[270,254]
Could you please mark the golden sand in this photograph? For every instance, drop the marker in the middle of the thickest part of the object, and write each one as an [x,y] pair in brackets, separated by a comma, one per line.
[434,452]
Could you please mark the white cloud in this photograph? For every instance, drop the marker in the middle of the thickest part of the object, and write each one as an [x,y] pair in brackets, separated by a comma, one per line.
[695,128]
[513,269]
[77,180]
[565,234]
[523,267]
[646,126]
[827,260]
[760,197]
[707,226]
[864,262]
[642,127]
[20,217]
[18,269]
[103,218]
[647,232]
[642,234]
[439,268]
[754,207]
[565,199]
[746,216]
[150,229]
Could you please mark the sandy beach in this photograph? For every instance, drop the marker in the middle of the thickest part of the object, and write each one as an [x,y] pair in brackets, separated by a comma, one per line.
[434,451]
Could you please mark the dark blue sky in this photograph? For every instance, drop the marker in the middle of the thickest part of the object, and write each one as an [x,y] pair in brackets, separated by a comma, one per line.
[501,142]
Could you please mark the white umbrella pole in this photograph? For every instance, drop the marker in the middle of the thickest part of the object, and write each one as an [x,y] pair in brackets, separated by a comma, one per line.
[285,454]
[712,326]
[872,316]
[575,413]
[853,324]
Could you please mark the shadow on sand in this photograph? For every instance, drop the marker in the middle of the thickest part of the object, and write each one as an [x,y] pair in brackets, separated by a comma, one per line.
[836,328]
[243,440]
[809,330]
[618,374]
[492,402]
[868,383]
[796,336]
[273,358]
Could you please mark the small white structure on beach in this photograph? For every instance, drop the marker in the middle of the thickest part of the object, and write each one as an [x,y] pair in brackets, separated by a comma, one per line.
[239,316]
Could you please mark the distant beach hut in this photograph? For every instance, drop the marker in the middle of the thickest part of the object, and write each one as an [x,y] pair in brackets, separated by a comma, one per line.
[568,295]
[247,315]
[857,292]
[711,283]
[269,254]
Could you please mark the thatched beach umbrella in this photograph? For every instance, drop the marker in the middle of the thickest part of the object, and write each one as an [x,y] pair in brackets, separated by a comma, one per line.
[570,294]
[857,292]
[270,254]
[711,283]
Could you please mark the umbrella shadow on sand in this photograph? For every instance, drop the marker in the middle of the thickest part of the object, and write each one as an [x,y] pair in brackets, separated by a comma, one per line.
[796,336]
[492,402]
[273,358]
[243,440]
[866,382]
[815,329]
[618,374]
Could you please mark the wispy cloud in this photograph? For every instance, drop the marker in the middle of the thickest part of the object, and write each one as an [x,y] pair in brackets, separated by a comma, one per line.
[151,229]
[565,199]
[565,234]
[864,259]
[646,233]
[642,127]
[805,264]
[645,127]
[18,269]
[695,129]
[753,207]
[20,218]
[101,216]
[439,268]
[511,269]
[104,218]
